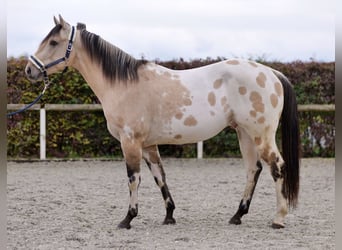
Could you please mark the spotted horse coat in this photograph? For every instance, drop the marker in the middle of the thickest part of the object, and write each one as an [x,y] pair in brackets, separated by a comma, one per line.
[146,104]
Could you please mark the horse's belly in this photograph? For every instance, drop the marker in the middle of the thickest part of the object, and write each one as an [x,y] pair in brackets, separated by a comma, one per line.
[188,130]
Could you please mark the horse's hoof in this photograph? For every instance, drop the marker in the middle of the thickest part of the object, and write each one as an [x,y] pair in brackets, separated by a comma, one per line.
[235,220]
[169,221]
[124,225]
[277,225]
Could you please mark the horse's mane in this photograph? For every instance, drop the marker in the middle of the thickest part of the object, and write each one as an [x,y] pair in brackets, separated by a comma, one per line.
[115,63]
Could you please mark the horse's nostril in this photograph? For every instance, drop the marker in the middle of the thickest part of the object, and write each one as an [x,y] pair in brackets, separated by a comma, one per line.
[28,71]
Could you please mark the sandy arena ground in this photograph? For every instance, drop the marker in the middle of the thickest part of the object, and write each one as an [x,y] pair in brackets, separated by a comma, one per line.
[77,205]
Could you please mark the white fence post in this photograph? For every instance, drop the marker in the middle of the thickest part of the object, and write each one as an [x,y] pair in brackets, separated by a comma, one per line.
[42,136]
[200,150]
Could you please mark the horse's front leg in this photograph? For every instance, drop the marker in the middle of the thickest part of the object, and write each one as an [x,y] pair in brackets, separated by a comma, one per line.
[133,154]
[153,161]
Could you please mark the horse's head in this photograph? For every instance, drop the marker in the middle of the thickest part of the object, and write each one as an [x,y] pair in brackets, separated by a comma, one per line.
[54,52]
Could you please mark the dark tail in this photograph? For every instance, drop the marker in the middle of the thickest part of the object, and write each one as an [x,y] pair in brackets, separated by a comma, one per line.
[290,141]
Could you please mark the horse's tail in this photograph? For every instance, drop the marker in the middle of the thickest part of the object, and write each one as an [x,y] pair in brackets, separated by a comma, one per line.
[290,141]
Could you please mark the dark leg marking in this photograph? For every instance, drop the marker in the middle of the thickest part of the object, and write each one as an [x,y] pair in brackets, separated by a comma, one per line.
[130,172]
[169,203]
[277,174]
[275,171]
[243,209]
[277,226]
[148,163]
[132,211]
[156,181]
[244,204]
[256,176]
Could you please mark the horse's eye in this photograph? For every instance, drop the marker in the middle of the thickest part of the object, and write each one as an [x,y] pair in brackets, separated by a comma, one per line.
[53,43]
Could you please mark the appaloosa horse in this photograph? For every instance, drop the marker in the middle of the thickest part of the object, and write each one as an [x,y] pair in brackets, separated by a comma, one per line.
[146,104]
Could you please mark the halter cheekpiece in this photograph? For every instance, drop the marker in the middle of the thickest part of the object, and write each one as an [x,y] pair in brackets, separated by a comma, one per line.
[43,68]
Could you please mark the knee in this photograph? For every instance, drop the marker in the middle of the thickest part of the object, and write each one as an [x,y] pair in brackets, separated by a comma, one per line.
[132,153]
[132,159]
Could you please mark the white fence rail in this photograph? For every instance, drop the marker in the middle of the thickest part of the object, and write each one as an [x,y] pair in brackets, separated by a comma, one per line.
[97,107]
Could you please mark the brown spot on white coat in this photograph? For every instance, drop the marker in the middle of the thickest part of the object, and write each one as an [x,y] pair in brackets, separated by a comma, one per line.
[224,104]
[257,103]
[261,79]
[253,113]
[179,115]
[278,88]
[261,119]
[274,100]
[190,121]
[177,137]
[242,90]
[218,83]
[224,100]
[212,99]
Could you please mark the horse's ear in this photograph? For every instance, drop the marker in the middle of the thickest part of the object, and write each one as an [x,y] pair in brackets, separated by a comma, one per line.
[55,20]
[61,21]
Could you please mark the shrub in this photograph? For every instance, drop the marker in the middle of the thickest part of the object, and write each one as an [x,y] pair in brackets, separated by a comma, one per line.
[84,134]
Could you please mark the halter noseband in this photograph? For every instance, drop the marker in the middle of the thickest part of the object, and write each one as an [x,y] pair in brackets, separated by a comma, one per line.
[43,68]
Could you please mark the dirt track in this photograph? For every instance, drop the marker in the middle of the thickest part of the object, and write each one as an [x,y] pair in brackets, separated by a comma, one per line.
[77,205]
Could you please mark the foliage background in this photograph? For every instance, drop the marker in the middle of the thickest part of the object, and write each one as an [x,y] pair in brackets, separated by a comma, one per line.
[84,134]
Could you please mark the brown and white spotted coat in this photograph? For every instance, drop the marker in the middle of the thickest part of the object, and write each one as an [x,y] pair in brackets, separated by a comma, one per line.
[165,106]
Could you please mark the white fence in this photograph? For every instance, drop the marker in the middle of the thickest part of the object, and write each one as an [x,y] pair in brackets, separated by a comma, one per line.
[94,107]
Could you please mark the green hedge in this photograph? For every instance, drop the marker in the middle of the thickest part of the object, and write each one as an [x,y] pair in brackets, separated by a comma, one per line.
[84,134]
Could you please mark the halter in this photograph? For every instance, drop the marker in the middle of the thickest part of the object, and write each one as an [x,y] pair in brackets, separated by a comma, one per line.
[43,68]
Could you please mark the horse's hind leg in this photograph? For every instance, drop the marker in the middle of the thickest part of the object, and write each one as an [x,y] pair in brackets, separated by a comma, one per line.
[153,161]
[270,154]
[253,167]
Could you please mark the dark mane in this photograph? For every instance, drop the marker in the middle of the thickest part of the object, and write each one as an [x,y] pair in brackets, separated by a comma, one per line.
[115,63]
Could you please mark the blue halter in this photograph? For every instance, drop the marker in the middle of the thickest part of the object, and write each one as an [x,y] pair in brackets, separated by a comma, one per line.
[43,68]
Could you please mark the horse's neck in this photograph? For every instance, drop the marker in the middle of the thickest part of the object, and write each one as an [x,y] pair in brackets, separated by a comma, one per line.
[92,74]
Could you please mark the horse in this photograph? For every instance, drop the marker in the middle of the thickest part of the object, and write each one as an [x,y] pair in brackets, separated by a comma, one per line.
[146,104]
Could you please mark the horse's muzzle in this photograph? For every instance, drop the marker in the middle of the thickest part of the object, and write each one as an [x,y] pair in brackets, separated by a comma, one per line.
[32,73]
